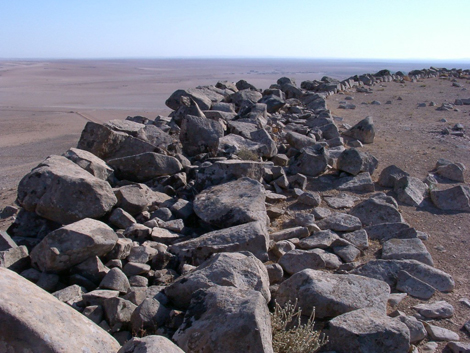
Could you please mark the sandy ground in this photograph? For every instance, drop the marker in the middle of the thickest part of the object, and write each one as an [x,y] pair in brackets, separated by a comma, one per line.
[45,105]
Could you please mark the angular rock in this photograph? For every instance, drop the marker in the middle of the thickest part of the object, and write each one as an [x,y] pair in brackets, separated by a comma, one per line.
[410,190]
[289,233]
[413,286]
[136,198]
[453,199]
[200,135]
[150,344]
[311,161]
[233,203]
[198,96]
[310,198]
[353,161]
[37,328]
[390,175]
[342,200]
[251,237]
[144,167]
[115,279]
[220,316]
[449,170]
[88,161]
[59,190]
[149,315]
[437,310]
[363,131]
[15,259]
[437,333]
[386,231]
[406,249]
[118,313]
[73,244]
[387,270]
[299,141]
[376,210]
[340,222]
[121,219]
[417,330]
[459,347]
[240,270]
[322,240]
[358,238]
[367,330]
[361,183]
[332,294]
[297,260]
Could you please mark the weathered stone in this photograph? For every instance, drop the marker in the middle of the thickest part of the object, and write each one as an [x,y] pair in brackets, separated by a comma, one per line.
[361,183]
[136,198]
[198,96]
[342,200]
[6,242]
[61,191]
[150,344]
[353,161]
[322,239]
[118,313]
[459,347]
[453,199]
[28,322]
[386,231]
[449,170]
[387,270]
[275,273]
[115,279]
[406,249]
[299,141]
[149,315]
[390,175]
[289,233]
[73,244]
[200,135]
[297,260]
[437,333]
[88,161]
[144,167]
[332,294]
[367,330]
[92,269]
[251,237]
[347,253]
[94,313]
[340,222]
[413,286]
[363,131]
[310,198]
[245,96]
[121,219]
[437,310]
[240,270]
[99,296]
[15,259]
[71,295]
[410,190]
[358,238]
[282,247]
[377,209]
[220,316]
[311,161]
[417,330]
[237,202]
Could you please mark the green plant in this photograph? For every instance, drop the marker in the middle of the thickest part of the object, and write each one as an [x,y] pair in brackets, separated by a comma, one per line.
[247,155]
[290,335]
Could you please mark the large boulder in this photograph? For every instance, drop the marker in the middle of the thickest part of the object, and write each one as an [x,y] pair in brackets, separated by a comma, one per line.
[332,294]
[367,330]
[410,190]
[251,237]
[59,190]
[198,96]
[150,344]
[241,270]
[353,161]
[73,244]
[311,161]
[226,319]
[144,167]
[200,135]
[449,170]
[377,209]
[233,203]
[453,199]
[363,131]
[32,320]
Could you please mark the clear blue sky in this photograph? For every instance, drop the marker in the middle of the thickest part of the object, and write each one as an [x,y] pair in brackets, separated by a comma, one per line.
[377,29]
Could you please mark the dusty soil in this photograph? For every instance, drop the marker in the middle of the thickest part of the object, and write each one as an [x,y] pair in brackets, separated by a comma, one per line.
[45,105]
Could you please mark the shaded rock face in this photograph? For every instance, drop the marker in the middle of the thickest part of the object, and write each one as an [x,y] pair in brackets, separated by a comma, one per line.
[376,210]
[453,199]
[150,344]
[226,319]
[332,294]
[312,161]
[88,161]
[241,270]
[363,131]
[28,322]
[73,244]
[59,190]
[233,203]
[200,135]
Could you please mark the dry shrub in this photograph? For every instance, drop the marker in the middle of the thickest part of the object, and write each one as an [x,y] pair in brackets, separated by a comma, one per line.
[289,335]
[247,155]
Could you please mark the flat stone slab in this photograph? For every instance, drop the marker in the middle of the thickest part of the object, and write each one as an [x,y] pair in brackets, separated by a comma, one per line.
[342,200]
[437,310]
[413,286]
[437,333]
[340,222]
[406,249]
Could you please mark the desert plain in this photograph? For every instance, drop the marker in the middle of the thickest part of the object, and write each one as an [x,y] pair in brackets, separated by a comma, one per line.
[44,106]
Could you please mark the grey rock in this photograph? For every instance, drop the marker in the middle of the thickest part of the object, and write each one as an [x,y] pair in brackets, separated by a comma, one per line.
[135,268]
[367,330]
[251,237]
[289,233]
[406,249]
[322,239]
[310,198]
[312,161]
[453,199]
[332,262]
[332,294]
[73,244]
[261,136]
[396,298]
[411,191]
[437,310]
[358,238]
[138,281]
[88,161]
[59,190]
[245,95]
[150,344]
[200,135]
[413,286]
[429,347]
[15,259]
[376,210]
[92,269]
[347,253]
[118,313]
[361,183]
[219,316]
[275,273]
[121,219]
[94,313]
[149,315]
[390,175]
[21,329]
[449,170]
[282,247]
[115,279]
[198,96]
[386,231]
[417,330]
[321,212]
[71,295]
[144,167]
[99,296]
[297,260]
[299,141]
[136,198]
[342,200]
[363,131]
[121,250]
[353,161]
[459,347]
[233,203]
[437,333]
[241,270]
[387,270]
[340,222]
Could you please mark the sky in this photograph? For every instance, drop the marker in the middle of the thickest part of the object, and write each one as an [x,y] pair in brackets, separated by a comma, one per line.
[342,29]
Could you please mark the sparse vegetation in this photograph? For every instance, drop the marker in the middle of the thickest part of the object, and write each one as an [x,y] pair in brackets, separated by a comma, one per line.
[247,155]
[289,335]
